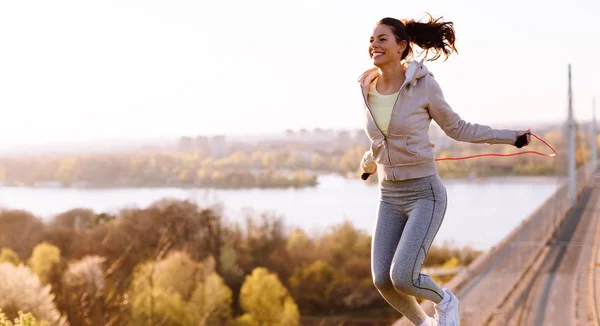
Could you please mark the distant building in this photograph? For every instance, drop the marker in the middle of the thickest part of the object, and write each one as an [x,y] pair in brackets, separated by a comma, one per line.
[219,146]
[201,144]
[184,144]
[304,134]
[290,133]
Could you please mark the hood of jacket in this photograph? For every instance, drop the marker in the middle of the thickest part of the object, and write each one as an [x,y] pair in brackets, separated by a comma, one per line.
[415,70]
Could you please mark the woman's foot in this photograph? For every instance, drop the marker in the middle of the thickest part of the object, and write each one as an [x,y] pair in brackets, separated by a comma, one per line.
[447,310]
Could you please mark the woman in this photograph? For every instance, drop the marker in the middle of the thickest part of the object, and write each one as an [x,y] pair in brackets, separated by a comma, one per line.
[401,98]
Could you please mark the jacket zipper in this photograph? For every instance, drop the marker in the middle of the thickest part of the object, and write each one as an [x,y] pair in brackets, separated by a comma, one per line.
[390,123]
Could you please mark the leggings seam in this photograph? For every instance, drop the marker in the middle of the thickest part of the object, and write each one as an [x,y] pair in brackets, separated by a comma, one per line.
[443,216]
[422,242]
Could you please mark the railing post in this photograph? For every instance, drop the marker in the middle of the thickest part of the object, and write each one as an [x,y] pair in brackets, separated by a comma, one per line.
[571,158]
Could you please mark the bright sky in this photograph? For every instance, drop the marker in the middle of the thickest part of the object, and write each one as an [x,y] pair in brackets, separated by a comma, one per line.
[80,70]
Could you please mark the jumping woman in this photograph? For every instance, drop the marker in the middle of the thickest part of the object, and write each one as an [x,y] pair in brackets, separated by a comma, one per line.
[401,98]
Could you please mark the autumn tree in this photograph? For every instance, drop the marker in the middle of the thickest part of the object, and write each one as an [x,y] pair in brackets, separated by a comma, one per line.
[20,230]
[44,258]
[313,287]
[83,286]
[266,301]
[23,319]
[7,255]
[22,291]
[179,291]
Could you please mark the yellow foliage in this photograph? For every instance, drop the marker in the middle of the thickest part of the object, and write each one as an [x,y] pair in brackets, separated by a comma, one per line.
[210,302]
[44,257]
[24,319]
[297,241]
[266,301]
[451,263]
[7,255]
[314,285]
[201,173]
[179,290]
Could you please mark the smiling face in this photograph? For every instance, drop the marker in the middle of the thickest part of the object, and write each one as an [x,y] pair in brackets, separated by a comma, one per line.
[384,48]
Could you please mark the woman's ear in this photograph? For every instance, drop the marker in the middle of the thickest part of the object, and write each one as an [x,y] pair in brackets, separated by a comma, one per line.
[403,45]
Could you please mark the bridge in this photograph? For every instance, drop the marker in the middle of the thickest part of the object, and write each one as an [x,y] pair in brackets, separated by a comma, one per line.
[547,270]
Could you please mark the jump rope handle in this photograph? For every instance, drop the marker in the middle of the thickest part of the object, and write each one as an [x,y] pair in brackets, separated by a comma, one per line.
[522,140]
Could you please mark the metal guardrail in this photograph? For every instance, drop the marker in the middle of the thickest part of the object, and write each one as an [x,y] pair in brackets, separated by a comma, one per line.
[489,280]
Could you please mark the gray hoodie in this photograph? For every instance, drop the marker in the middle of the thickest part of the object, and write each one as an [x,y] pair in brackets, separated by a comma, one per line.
[406,152]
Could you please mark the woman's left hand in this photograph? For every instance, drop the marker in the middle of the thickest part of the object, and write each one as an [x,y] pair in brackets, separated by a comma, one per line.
[521,133]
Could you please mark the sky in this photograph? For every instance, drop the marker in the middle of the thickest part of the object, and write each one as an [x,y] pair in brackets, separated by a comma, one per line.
[75,71]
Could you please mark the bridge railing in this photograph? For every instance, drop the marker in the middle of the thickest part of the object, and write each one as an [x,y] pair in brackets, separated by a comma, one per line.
[539,226]
[505,265]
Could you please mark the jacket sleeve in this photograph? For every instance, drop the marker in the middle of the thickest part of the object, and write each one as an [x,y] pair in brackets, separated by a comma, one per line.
[367,164]
[459,129]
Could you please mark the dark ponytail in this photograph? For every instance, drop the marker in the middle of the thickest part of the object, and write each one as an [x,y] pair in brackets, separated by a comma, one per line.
[435,35]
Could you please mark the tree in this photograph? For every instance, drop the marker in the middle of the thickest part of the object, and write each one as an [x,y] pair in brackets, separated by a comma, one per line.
[210,303]
[179,291]
[7,255]
[20,230]
[266,301]
[83,285]
[317,162]
[229,267]
[342,241]
[313,286]
[45,256]
[264,235]
[299,247]
[22,291]
[292,161]
[66,170]
[77,219]
[186,177]
[22,320]
[209,235]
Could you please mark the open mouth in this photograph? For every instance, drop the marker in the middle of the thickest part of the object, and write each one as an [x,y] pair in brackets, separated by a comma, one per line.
[377,54]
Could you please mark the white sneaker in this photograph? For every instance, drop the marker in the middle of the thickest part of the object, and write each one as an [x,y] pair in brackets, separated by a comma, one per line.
[433,321]
[448,310]
[430,322]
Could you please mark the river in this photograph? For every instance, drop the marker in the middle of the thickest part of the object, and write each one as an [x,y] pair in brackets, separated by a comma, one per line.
[480,211]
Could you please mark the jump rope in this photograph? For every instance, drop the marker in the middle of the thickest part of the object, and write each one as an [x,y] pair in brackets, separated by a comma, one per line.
[521,141]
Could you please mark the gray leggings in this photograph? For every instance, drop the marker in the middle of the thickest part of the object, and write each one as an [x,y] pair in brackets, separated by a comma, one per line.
[410,215]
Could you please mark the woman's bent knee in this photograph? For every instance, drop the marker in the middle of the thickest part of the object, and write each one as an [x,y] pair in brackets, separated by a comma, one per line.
[383,283]
[402,282]
[404,286]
